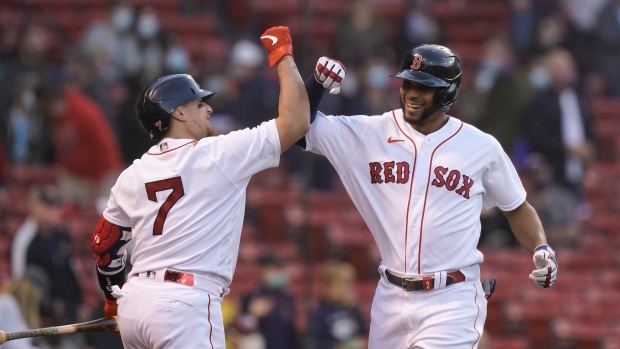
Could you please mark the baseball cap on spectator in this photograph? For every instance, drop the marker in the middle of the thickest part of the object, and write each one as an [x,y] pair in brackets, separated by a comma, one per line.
[49,195]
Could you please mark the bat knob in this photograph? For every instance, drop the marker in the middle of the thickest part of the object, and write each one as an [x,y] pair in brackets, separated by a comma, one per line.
[2,337]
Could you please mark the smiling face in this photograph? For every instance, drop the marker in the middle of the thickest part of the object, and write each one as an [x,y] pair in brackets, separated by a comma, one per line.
[195,116]
[417,103]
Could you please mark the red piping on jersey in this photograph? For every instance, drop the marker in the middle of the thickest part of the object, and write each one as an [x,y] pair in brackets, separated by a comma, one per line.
[428,182]
[210,324]
[169,150]
[478,314]
[415,159]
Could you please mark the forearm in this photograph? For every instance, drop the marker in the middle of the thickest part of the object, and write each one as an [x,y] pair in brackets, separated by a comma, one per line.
[526,226]
[293,110]
[315,92]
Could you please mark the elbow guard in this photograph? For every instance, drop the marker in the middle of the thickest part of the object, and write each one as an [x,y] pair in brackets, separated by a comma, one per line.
[109,242]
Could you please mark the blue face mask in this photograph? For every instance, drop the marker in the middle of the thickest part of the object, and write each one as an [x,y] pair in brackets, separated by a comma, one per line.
[148,26]
[123,18]
[276,280]
[539,77]
[177,60]
[378,76]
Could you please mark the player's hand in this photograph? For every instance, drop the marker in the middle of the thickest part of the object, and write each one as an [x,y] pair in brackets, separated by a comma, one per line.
[546,266]
[278,42]
[330,73]
[110,308]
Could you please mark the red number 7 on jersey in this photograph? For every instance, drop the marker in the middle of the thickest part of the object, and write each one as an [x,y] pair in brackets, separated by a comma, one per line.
[177,192]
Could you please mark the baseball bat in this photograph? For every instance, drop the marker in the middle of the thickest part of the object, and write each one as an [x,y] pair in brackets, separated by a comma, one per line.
[99,325]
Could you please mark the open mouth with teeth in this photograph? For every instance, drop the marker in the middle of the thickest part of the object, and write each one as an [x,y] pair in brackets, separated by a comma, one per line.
[413,106]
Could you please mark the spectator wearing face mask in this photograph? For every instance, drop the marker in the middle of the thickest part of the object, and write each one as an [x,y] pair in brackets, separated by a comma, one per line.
[176,57]
[270,307]
[336,322]
[556,123]
[376,87]
[23,132]
[114,43]
[150,43]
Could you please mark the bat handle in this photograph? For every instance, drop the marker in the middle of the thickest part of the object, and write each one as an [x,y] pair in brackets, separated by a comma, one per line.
[2,337]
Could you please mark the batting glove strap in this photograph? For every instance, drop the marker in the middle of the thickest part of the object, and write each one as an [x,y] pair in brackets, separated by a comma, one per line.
[544,247]
[546,270]
[278,42]
[330,73]
[106,281]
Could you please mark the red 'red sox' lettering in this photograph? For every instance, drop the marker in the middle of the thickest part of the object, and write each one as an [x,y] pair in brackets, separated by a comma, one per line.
[452,180]
[389,172]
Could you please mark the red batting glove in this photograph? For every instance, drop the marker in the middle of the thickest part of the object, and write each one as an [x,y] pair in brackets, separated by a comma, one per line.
[110,308]
[278,42]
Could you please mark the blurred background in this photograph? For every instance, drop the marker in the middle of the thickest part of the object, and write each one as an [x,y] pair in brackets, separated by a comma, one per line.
[542,76]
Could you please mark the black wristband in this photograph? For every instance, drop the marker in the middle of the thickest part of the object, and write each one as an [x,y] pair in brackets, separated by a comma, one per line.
[107,281]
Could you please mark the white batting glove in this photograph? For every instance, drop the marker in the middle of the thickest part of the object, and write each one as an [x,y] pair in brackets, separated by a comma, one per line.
[330,73]
[546,266]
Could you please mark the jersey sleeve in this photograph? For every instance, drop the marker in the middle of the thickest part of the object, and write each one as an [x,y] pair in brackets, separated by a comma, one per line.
[113,212]
[338,138]
[241,154]
[503,187]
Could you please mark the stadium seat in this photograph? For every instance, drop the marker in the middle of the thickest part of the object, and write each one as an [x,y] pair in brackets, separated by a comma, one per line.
[201,26]
[508,343]
[473,9]
[166,7]
[576,333]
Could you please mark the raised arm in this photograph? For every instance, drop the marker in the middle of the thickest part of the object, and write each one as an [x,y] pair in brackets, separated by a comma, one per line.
[328,74]
[293,119]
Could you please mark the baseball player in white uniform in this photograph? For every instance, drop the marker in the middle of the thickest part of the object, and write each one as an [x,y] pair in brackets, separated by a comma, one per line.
[420,178]
[183,204]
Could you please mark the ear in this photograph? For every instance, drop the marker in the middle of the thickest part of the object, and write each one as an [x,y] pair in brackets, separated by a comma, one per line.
[178,114]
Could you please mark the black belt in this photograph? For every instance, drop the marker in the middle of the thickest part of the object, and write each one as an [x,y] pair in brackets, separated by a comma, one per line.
[422,284]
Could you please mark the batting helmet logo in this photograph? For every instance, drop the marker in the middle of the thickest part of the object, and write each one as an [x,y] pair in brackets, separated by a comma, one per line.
[417,61]
[158,124]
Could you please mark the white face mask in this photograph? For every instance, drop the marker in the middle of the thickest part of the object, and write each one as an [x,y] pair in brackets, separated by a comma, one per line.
[539,77]
[177,60]
[148,26]
[123,18]
[28,99]
[378,76]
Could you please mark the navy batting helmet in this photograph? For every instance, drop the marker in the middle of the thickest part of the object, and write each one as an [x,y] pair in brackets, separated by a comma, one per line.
[434,66]
[159,99]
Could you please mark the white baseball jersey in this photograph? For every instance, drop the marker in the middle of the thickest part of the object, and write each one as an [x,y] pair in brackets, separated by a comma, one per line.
[184,200]
[420,195]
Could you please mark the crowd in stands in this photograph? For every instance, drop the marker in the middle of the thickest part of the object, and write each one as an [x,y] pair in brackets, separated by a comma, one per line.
[71,71]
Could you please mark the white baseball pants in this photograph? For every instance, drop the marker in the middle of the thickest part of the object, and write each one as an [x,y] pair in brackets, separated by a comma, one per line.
[154,314]
[451,317]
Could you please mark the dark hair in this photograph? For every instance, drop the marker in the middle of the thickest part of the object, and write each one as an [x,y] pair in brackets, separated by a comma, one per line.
[270,259]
